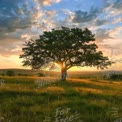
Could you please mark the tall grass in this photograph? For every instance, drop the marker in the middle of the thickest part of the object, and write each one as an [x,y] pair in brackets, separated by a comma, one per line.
[22,101]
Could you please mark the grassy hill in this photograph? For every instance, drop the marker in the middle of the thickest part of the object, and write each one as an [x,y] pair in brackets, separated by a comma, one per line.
[35,99]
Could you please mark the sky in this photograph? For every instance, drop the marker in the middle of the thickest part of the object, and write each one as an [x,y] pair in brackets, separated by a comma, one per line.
[22,20]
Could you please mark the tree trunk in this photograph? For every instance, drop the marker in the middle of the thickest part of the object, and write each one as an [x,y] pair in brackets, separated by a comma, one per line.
[63,74]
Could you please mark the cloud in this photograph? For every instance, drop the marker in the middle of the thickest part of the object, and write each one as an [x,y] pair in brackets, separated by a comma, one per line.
[21,22]
[102,34]
[117,5]
[14,17]
[64,17]
[8,14]
[24,16]
[115,32]
[69,15]
[113,9]
[115,43]
[10,47]
[117,20]
[99,22]
[110,42]
[47,2]
[83,16]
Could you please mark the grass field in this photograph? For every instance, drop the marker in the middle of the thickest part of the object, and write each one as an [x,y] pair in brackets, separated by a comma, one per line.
[79,99]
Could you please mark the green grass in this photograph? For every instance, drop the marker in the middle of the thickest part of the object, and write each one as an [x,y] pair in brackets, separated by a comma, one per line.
[93,99]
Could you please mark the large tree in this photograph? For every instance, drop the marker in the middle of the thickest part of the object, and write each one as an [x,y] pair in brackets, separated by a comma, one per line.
[67,47]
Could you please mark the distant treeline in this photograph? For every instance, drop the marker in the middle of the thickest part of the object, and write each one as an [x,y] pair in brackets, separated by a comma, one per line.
[20,72]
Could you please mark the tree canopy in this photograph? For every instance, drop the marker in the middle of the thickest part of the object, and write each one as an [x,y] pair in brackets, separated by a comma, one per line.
[67,47]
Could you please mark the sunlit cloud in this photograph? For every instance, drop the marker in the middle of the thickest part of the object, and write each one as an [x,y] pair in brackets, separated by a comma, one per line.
[47,2]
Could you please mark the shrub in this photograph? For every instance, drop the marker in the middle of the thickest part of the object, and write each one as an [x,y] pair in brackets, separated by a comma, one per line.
[2,74]
[40,74]
[22,74]
[19,74]
[10,73]
[116,77]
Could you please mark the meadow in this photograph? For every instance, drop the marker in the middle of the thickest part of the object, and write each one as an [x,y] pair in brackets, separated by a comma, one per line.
[84,97]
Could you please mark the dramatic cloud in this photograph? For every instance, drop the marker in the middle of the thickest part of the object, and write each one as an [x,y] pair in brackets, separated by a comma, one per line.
[83,16]
[20,22]
[14,17]
[118,4]
[9,16]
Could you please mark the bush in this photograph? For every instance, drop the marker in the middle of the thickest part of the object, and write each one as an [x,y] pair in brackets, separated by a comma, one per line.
[116,77]
[10,73]
[22,74]
[40,74]
[2,74]
[19,74]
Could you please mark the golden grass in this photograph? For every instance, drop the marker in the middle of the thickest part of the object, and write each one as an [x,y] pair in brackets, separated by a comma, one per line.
[55,89]
[86,90]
